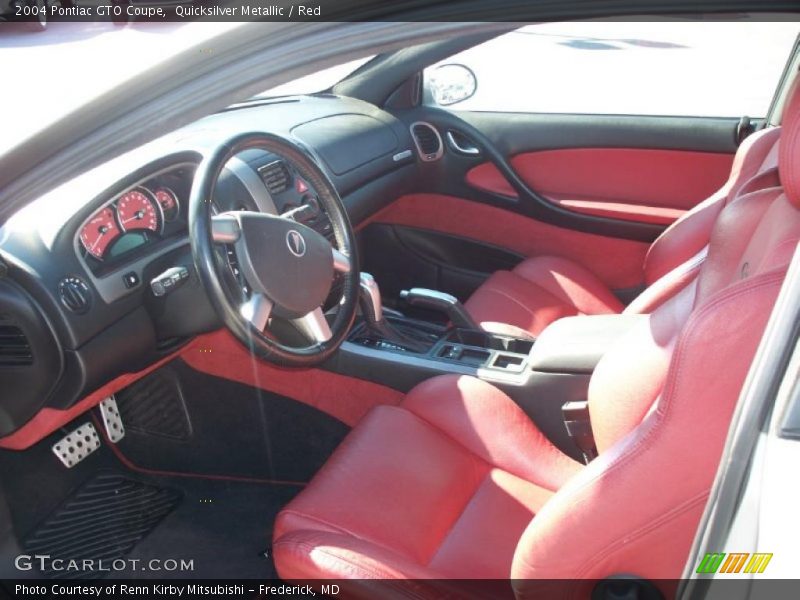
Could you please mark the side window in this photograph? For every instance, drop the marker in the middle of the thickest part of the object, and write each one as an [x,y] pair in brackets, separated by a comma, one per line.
[667,68]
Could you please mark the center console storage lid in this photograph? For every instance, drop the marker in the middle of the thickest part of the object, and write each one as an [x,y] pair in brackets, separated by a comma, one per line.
[576,344]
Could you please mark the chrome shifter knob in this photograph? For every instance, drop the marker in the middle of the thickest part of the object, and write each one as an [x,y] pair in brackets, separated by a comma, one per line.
[371,297]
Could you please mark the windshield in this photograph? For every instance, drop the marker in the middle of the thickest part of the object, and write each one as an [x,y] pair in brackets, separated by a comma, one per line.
[316,82]
[68,65]
[63,68]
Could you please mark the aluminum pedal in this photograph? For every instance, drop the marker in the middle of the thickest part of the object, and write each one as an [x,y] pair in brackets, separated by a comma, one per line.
[75,446]
[112,420]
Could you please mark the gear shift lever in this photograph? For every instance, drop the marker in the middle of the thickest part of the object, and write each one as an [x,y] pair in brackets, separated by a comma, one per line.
[441,302]
[370,299]
[372,310]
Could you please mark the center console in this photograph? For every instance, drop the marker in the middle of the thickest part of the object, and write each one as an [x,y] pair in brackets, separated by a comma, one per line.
[547,377]
[453,346]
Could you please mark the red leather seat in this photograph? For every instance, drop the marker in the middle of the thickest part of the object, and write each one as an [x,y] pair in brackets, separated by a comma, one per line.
[456,482]
[545,288]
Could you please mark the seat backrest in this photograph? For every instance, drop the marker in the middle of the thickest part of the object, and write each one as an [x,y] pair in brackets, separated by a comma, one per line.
[661,401]
[674,259]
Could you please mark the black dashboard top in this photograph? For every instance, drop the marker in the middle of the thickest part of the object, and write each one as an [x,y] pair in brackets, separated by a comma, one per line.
[82,254]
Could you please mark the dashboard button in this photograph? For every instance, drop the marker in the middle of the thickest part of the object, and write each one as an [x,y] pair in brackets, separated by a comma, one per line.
[130,279]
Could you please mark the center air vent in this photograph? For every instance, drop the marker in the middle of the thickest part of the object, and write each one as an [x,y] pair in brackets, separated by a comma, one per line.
[15,350]
[74,294]
[275,176]
[428,141]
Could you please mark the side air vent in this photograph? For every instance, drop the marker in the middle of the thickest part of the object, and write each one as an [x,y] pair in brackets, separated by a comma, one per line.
[275,176]
[15,350]
[74,294]
[428,141]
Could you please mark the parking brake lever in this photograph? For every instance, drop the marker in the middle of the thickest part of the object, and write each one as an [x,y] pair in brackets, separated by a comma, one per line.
[441,302]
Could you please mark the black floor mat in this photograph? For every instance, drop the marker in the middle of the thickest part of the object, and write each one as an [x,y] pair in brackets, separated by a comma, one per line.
[154,406]
[222,528]
[215,426]
[102,520]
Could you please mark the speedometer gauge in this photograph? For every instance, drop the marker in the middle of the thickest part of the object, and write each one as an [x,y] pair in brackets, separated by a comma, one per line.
[100,232]
[138,210]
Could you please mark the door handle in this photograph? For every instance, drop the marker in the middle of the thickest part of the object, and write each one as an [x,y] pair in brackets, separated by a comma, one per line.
[464,146]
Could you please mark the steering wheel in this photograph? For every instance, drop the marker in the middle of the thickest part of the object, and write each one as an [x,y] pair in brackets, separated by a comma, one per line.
[289,268]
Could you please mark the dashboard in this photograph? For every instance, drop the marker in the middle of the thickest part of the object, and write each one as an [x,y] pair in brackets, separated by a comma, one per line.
[76,265]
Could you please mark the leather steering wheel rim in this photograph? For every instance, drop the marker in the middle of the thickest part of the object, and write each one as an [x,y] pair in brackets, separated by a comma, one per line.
[202,232]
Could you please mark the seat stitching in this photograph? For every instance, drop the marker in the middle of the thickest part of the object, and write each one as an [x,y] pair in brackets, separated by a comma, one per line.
[557,291]
[309,547]
[344,531]
[475,460]
[447,436]
[665,519]
[457,518]
[504,294]
[662,416]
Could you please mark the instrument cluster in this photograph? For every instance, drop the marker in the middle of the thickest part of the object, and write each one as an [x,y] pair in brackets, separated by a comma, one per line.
[140,216]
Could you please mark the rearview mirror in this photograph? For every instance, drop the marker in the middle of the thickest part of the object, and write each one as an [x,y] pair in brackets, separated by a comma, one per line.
[452,83]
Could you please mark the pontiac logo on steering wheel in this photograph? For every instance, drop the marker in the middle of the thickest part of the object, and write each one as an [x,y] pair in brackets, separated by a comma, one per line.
[296,243]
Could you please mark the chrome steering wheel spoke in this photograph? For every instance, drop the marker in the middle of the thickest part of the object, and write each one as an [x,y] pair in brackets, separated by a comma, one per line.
[314,326]
[225,229]
[341,262]
[257,310]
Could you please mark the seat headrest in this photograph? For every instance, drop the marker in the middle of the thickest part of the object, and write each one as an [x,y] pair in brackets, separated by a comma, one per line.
[789,160]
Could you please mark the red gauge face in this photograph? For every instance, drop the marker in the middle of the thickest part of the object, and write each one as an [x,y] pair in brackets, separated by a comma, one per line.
[168,201]
[137,211]
[100,232]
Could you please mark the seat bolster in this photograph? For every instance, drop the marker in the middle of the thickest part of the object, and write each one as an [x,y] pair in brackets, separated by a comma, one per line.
[537,292]
[667,286]
[508,298]
[490,425]
[318,554]
[571,283]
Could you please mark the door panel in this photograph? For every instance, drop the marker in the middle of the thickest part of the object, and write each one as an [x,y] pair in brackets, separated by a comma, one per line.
[515,133]
[613,176]
[594,189]
[634,184]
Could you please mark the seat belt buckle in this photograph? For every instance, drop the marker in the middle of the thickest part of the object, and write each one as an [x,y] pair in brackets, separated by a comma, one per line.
[579,428]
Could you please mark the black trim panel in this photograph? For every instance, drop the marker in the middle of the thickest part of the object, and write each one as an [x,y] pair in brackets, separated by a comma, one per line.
[447,175]
[510,133]
[403,257]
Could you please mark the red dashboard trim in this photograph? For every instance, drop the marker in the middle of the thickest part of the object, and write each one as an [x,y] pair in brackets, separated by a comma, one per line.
[47,420]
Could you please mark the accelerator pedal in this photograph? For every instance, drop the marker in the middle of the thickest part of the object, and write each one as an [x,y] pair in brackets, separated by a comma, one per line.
[112,420]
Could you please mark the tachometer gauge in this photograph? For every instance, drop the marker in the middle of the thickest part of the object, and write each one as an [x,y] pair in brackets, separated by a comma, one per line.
[99,233]
[168,201]
[138,210]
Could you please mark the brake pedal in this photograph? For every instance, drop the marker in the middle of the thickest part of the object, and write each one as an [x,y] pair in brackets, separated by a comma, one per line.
[77,445]
[112,420]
